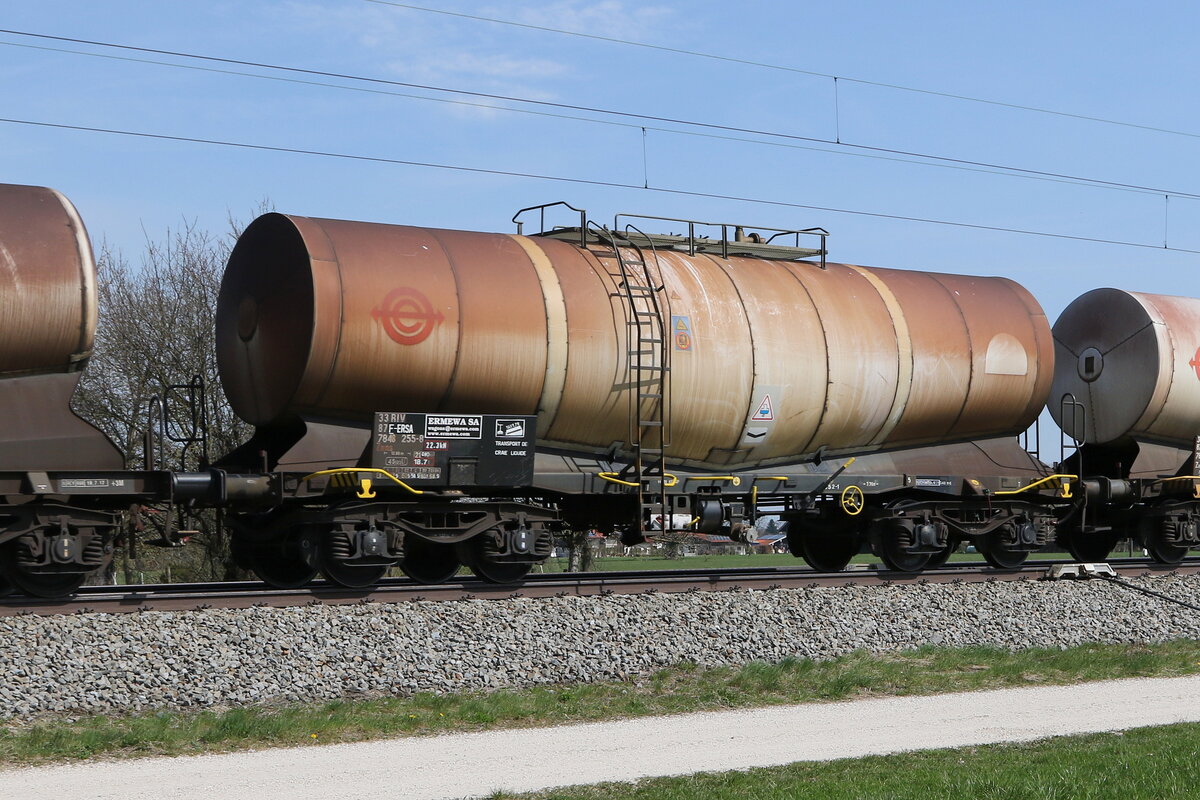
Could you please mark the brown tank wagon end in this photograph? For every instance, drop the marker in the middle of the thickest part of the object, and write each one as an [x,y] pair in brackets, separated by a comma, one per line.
[48,318]
[1133,361]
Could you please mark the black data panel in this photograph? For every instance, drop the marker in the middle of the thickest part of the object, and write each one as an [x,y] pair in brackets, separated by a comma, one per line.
[455,449]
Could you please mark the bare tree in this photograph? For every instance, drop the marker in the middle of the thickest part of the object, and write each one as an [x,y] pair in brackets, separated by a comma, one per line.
[579,550]
[156,330]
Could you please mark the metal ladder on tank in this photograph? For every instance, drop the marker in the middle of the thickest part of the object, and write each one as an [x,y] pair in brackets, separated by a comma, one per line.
[647,366]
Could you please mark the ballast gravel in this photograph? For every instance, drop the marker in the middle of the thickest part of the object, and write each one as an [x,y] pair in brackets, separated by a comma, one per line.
[104,663]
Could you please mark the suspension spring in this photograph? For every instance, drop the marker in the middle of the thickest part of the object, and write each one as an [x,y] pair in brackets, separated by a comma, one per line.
[340,546]
[93,553]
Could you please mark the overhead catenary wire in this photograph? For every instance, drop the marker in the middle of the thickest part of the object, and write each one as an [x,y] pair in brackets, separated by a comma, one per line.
[1072,181]
[587,182]
[792,69]
[707,126]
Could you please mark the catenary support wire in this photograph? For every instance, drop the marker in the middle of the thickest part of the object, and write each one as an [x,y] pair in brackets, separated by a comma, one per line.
[587,182]
[707,126]
[796,70]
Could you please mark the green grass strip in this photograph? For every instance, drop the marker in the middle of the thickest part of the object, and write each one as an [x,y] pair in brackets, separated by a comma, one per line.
[681,689]
[1148,763]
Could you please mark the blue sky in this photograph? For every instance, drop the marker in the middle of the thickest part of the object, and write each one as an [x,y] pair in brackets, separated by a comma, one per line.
[1099,59]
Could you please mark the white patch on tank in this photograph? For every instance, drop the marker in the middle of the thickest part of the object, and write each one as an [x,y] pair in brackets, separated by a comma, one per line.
[764,411]
[10,266]
[1006,356]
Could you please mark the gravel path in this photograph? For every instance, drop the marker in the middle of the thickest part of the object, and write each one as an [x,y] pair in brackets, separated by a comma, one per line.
[475,764]
[105,663]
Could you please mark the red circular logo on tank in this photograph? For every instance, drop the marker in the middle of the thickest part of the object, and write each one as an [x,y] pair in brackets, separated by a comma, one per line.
[407,316]
[1195,363]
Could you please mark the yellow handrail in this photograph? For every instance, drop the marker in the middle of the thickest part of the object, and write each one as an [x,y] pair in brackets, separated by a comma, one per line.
[735,479]
[1065,489]
[366,492]
[611,477]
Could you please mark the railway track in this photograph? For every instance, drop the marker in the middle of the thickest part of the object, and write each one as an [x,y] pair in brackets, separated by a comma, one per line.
[250,594]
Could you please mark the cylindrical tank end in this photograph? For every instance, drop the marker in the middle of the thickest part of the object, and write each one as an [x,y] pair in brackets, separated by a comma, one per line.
[264,320]
[1126,368]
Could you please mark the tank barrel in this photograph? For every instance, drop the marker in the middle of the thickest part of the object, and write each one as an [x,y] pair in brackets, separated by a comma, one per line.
[590,329]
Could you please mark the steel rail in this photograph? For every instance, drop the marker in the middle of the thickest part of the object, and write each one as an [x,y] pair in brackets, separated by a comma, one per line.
[250,594]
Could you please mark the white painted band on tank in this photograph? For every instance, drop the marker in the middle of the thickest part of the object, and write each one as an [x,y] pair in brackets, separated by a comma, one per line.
[87,281]
[1166,364]
[810,441]
[904,357]
[970,353]
[759,391]
[556,334]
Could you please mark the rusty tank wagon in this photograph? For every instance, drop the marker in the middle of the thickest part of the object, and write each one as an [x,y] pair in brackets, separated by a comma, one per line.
[648,362]
[431,399]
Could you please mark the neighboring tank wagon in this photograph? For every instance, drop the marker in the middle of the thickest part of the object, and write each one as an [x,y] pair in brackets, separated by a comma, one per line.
[48,318]
[1127,391]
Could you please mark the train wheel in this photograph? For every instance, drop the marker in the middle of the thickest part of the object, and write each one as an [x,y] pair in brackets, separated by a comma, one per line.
[1165,552]
[49,585]
[1086,548]
[1000,557]
[496,572]
[896,557]
[488,569]
[286,564]
[352,576]
[429,562]
[939,559]
[828,552]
